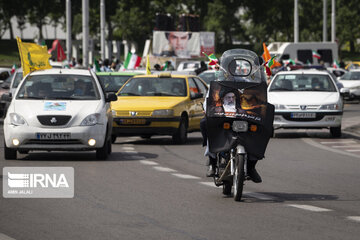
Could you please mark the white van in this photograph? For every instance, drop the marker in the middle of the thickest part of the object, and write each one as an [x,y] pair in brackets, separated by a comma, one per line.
[303,51]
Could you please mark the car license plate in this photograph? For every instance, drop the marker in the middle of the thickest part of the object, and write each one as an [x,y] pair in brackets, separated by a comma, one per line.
[133,121]
[303,115]
[53,136]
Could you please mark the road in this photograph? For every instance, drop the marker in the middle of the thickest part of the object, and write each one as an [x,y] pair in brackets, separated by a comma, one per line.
[153,189]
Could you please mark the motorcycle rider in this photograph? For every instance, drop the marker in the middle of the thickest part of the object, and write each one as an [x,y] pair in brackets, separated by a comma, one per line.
[252,172]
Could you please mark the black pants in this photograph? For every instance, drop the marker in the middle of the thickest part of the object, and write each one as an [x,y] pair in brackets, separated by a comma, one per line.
[203,129]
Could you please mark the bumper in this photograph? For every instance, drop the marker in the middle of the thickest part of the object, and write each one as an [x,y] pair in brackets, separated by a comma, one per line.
[149,126]
[78,141]
[322,120]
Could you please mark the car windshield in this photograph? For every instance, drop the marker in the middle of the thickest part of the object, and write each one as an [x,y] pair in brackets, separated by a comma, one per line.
[18,77]
[302,82]
[65,87]
[113,83]
[351,76]
[154,87]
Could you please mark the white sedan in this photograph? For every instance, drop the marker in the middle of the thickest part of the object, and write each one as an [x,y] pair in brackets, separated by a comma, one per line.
[59,109]
[306,99]
[351,80]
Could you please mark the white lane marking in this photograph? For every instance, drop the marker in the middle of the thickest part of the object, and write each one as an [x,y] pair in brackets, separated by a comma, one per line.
[209,184]
[327,148]
[337,142]
[259,196]
[354,218]
[309,208]
[128,148]
[184,176]
[164,169]
[352,150]
[5,237]
[346,146]
[147,162]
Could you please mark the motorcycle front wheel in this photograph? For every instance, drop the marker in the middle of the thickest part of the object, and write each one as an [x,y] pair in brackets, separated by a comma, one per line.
[239,177]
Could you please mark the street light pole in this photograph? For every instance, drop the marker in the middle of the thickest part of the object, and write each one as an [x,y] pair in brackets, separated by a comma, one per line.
[324,20]
[296,22]
[333,21]
[68,30]
[102,28]
[85,30]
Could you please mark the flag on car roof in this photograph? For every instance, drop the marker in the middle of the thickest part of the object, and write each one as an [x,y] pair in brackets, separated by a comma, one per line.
[13,69]
[33,56]
[212,59]
[336,64]
[266,56]
[316,55]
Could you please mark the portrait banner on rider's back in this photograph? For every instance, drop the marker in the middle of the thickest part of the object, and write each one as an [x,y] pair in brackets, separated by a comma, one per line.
[237,100]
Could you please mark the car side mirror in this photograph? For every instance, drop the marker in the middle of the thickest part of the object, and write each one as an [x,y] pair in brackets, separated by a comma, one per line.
[196,95]
[344,92]
[110,97]
[6,97]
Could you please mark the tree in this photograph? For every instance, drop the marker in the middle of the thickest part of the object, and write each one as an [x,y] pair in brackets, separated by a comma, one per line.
[348,22]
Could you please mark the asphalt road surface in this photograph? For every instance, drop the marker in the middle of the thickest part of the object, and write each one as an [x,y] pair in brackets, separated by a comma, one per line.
[153,189]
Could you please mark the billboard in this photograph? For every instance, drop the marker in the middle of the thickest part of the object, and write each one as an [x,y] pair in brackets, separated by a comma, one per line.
[182,44]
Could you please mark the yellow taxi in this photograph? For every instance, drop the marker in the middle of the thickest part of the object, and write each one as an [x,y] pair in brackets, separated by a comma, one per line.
[163,104]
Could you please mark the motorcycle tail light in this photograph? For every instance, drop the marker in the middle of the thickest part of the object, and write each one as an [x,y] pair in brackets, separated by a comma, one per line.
[240,126]
[226,125]
[253,128]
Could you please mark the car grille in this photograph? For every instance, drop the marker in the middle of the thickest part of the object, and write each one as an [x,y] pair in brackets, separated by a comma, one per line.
[53,120]
[307,107]
[134,113]
[51,142]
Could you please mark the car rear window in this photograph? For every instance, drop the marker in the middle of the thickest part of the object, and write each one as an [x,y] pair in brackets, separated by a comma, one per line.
[302,82]
[155,87]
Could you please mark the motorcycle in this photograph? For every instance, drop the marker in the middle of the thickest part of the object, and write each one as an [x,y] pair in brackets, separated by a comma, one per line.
[239,119]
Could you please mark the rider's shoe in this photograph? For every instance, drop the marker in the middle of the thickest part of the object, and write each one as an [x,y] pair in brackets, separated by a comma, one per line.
[254,175]
[211,171]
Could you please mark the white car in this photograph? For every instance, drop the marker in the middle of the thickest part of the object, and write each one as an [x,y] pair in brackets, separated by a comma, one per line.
[351,81]
[306,99]
[59,110]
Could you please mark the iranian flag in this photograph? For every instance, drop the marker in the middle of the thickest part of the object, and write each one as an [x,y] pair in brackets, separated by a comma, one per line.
[316,55]
[13,69]
[132,61]
[212,59]
[336,64]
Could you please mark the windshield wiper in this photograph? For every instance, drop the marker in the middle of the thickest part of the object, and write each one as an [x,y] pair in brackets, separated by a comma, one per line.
[128,94]
[32,97]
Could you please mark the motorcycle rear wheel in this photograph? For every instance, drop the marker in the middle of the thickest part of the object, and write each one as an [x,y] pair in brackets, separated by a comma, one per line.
[239,177]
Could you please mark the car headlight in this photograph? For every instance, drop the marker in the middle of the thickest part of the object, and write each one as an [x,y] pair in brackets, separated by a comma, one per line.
[113,112]
[279,106]
[16,119]
[330,107]
[165,112]
[91,120]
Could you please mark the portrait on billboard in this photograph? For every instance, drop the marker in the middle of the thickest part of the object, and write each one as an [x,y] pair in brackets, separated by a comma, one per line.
[176,44]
